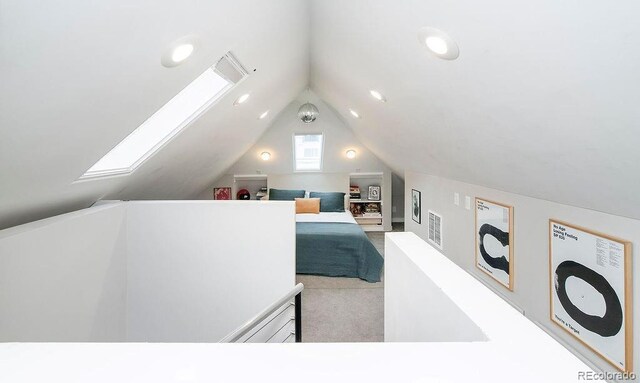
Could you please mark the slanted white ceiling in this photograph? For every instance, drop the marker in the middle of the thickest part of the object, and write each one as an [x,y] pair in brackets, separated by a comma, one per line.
[543,100]
[79,76]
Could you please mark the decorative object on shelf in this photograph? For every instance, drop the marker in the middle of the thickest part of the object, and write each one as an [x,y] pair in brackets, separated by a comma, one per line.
[372,208]
[374,193]
[590,278]
[222,193]
[308,112]
[416,200]
[354,192]
[495,257]
[243,194]
[356,209]
[262,193]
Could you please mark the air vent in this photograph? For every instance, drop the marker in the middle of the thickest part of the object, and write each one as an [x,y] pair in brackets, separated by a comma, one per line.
[435,229]
[229,68]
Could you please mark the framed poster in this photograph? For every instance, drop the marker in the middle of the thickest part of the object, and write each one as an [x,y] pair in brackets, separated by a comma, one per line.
[222,193]
[590,286]
[494,241]
[415,205]
[374,193]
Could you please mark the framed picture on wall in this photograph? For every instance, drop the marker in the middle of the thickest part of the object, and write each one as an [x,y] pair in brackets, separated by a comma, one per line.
[590,286]
[374,193]
[494,241]
[416,201]
[222,193]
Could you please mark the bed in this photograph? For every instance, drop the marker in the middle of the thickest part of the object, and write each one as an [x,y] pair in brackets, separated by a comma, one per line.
[333,244]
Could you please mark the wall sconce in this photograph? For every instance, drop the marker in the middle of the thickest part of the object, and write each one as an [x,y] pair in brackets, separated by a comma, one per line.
[351,154]
[265,156]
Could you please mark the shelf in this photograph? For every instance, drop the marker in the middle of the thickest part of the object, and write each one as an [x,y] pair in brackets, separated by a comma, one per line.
[366,175]
[364,180]
[249,177]
[369,220]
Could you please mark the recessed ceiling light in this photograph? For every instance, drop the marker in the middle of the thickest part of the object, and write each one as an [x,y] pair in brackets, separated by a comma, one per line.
[436,44]
[351,154]
[354,113]
[242,99]
[377,95]
[182,52]
[265,156]
[263,115]
[439,43]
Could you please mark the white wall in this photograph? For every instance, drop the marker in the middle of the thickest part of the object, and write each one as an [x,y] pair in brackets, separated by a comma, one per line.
[199,269]
[531,215]
[64,278]
[416,309]
[278,140]
[429,298]
[182,271]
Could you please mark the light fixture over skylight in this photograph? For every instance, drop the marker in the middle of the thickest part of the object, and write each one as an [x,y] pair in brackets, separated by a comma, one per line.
[170,119]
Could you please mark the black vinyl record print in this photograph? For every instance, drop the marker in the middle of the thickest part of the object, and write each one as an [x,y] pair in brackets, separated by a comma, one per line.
[494,240]
[607,325]
[590,290]
[500,263]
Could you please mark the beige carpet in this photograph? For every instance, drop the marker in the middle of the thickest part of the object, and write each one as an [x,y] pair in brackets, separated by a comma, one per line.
[344,309]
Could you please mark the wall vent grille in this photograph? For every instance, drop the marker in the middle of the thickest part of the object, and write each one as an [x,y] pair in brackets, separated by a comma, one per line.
[435,229]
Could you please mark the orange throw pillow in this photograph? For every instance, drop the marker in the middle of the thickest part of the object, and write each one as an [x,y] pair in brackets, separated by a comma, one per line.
[307,205]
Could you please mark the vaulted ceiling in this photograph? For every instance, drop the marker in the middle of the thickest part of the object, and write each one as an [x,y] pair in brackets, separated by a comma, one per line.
[540,102]
[78,76]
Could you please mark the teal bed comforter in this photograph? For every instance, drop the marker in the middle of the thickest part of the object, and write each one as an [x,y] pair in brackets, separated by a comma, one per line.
[336,250]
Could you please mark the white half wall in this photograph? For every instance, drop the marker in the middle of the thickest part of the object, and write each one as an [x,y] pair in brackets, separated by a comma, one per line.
[167,271]
[531,252]
[64,278]
[429,298]
[198,270]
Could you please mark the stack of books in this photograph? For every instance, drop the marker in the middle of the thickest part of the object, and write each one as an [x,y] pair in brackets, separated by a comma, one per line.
[354,192]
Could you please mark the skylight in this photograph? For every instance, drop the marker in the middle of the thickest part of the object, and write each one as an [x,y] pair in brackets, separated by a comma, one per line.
[307,152]
[172,117]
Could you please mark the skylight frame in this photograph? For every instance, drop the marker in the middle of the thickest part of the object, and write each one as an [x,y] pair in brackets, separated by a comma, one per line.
[322,146]
[124,171]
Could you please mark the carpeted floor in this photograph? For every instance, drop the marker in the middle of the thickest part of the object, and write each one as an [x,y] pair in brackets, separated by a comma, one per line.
[344,309]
